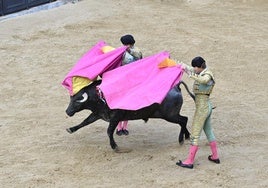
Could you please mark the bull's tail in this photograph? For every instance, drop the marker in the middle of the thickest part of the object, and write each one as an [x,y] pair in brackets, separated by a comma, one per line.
[187,89]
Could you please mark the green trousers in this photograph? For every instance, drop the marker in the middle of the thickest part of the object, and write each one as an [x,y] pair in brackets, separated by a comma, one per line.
[202,119]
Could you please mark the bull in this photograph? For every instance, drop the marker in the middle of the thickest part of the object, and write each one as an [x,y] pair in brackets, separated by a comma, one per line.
[88,98]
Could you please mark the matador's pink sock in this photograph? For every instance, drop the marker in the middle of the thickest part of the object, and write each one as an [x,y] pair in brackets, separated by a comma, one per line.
[192,151]
[124,125]
[120,126]
[213,147]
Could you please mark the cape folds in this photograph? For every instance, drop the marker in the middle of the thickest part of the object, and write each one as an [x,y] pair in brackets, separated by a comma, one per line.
[99,59]
[131,87]
[141,83]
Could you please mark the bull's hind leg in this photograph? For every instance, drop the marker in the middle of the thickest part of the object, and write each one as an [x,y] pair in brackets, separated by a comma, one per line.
[182,121]
[184,131]
[90,119]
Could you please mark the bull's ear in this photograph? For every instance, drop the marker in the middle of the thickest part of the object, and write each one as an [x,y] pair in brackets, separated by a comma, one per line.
[85,97]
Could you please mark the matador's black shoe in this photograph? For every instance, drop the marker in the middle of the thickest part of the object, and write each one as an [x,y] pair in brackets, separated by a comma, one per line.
[179,163]
[119,133]
[125,132]
[217,161]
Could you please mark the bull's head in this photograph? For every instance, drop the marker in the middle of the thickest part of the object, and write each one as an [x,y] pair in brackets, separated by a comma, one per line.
[77,103]
[86,98]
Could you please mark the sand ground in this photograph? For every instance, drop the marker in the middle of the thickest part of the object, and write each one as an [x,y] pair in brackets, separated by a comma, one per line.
[37,50]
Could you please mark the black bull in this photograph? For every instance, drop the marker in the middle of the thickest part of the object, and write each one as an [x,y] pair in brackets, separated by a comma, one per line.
[88,98]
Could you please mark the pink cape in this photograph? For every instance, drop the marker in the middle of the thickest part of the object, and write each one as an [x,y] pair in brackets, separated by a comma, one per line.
[139,84]
[94,63]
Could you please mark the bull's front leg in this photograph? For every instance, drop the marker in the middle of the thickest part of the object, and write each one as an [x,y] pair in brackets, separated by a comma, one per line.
[110,132]
[90,119]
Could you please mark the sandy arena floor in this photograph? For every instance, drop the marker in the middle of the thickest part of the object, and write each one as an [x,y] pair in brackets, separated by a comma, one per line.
[37,50]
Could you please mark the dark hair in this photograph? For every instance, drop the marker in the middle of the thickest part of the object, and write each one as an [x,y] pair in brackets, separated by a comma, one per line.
[199,62]
[127,39]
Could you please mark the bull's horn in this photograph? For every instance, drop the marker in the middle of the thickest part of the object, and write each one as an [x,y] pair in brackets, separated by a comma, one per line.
[85,96]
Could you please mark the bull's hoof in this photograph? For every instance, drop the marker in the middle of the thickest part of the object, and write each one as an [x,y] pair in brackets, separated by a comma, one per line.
[181,140]
[187,136]
[122,150]
[69,130]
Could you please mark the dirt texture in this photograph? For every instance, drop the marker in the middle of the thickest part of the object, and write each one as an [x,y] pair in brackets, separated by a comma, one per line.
[37,50]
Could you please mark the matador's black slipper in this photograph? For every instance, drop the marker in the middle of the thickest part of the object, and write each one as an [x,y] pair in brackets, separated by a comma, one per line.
[179,163]
[217,161]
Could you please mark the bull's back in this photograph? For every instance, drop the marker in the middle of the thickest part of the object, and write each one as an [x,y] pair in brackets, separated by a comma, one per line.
[172,102]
